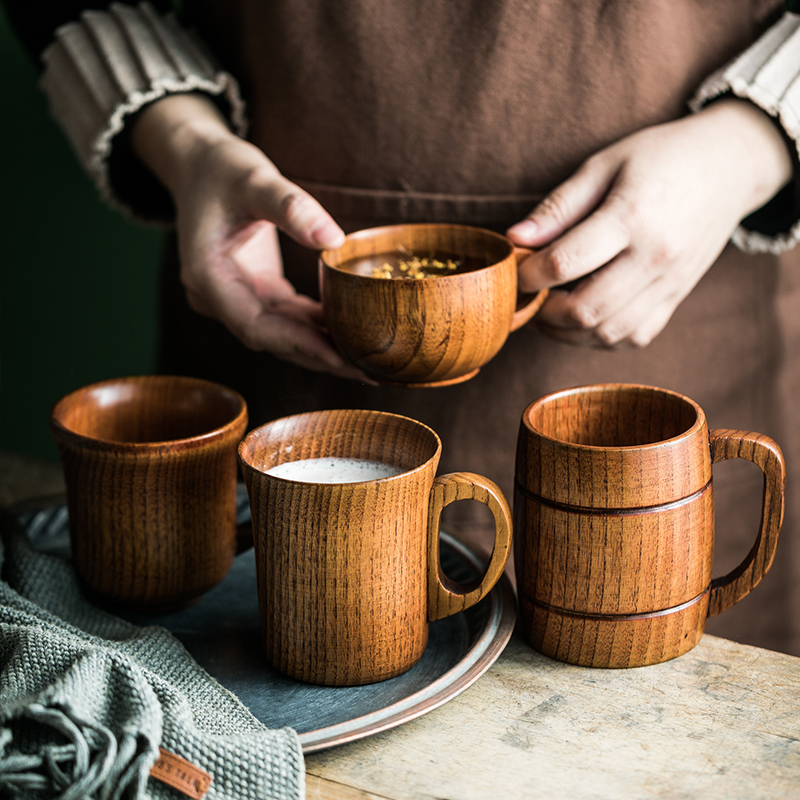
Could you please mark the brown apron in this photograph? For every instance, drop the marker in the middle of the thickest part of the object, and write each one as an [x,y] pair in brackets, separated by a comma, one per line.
[470,112]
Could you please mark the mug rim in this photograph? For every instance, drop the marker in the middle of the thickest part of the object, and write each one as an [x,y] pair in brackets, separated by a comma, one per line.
[253,435]
[66,433]
[367,233]
[697,425]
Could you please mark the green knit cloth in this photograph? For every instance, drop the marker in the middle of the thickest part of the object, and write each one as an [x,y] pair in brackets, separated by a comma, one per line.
[86,699]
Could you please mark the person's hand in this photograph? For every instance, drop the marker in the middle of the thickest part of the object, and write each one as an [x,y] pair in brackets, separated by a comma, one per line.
[229,197]
[639,224]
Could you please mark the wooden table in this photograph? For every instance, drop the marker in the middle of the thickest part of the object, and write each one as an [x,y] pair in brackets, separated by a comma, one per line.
[723,721]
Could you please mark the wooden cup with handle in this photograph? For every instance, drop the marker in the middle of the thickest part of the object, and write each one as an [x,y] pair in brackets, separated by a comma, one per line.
[349,574]
[614,523]
[432,331]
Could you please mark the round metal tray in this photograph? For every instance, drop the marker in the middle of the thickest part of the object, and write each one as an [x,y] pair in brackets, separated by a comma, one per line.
[222,632]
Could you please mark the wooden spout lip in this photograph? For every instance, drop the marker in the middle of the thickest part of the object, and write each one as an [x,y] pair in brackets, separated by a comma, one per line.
[613,446]
[149,413]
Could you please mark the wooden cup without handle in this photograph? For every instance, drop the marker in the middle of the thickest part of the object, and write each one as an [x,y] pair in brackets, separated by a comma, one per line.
[150,470]
[614,524]
[349,574]
[429,332]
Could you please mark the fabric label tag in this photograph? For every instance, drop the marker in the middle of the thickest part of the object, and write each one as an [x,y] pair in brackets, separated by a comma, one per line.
[180,774]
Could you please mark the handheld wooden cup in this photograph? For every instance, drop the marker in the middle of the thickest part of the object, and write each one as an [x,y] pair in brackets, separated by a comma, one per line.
[614,522]
[349,573]
[432,331]
[150,469]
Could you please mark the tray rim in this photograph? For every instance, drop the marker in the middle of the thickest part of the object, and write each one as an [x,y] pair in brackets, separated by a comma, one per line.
[475,662]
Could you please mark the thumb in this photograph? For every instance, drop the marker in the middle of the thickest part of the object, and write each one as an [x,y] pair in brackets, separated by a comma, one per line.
[295,212]
[565,206]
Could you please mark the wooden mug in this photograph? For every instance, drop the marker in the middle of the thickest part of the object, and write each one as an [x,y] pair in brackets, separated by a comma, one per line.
[150,469]
[614,523]
[349,573]
[432,331]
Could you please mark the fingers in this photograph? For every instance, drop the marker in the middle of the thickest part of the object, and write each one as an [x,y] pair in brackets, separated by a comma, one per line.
[580,226]
[235,275]
[599,297]
[638,225]
[242,285]
[625,331]
[253,255]
[605,312]
[594,242]
[229,205]
[239,177]
[288,328]
[565,206]
[276,199]
[598,238]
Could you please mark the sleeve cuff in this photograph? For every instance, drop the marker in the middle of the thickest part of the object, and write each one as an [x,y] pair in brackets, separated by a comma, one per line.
[102,70]
[767,74]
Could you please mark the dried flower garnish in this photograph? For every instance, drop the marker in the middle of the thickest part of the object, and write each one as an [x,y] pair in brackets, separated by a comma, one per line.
[412,267]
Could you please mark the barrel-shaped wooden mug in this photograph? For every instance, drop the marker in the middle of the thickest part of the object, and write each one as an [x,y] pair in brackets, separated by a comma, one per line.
[150,470]
[348,571]
[614,523]
[434,329]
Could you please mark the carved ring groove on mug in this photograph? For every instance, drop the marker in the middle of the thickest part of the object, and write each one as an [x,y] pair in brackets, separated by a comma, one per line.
[612,512]
[615,617]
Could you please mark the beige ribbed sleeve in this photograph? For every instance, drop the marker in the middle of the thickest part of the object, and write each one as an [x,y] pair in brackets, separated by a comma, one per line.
[106,67]
[767,74]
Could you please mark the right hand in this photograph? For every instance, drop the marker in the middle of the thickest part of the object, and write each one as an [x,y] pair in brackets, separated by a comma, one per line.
[640,222]
[229,199]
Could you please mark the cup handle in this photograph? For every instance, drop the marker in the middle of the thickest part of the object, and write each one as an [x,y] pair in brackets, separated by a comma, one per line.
[765,454]
[527,304]
[446,596]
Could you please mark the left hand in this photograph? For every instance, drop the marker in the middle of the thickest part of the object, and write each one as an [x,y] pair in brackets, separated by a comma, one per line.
[229,198]
[640,222]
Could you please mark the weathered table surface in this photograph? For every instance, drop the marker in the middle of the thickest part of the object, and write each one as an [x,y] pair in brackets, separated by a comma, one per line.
[723,721]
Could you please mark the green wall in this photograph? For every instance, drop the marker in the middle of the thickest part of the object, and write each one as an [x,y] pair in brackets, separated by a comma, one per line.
[77,280]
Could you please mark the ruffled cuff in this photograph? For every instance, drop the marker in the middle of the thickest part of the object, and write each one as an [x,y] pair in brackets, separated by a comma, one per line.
[102,70]
[767,74]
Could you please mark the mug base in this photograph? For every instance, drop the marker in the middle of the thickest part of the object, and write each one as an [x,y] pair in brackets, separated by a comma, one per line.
[308,664]
[613,641]
[430,384]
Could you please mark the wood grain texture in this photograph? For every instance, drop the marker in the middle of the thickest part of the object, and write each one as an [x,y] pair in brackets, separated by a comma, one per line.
[343,569]
[445,596]
[767,455]
[150,469]
[536,729]
[720,723]
[322,789]
[586,562]
[603,447]
[614,524]
[432,331]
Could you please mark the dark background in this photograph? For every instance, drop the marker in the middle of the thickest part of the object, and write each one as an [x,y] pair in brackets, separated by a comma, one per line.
[77,280]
